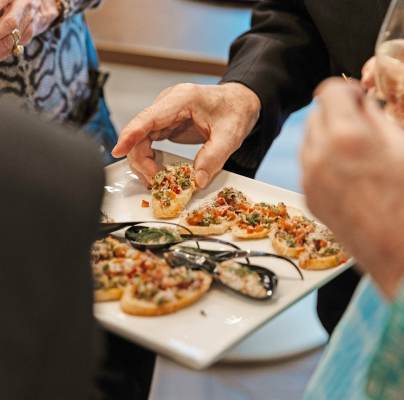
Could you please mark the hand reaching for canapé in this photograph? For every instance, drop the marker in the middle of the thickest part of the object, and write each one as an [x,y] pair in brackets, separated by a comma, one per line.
[219,116]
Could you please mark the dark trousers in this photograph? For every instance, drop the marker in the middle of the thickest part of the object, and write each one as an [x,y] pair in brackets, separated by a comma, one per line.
[126,370]
[334,297]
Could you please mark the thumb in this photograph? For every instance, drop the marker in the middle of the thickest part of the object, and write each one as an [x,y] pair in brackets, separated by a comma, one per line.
[212,156]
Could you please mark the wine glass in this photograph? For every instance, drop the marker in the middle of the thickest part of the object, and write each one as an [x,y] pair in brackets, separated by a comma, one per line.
[389,72]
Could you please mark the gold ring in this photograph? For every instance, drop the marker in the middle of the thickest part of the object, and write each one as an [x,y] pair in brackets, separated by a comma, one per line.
[18,49]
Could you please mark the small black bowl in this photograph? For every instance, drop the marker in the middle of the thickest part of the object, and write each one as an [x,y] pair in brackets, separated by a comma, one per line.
[132,233]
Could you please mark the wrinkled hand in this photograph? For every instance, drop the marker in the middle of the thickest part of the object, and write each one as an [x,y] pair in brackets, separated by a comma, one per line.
[353,162]
[220,116]
[31,17]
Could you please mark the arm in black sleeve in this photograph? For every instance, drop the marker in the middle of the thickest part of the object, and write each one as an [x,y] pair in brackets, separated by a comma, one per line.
[282,58]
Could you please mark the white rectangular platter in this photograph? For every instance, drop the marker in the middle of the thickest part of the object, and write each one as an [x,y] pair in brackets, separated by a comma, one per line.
[198,335]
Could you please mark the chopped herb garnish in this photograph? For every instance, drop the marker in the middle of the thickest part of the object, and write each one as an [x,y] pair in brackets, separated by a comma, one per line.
[155,236]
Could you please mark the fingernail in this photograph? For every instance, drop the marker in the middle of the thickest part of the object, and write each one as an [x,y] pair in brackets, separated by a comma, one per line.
[113,152]
[202,178]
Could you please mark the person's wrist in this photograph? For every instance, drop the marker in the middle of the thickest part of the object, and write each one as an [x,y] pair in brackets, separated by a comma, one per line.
[246,97]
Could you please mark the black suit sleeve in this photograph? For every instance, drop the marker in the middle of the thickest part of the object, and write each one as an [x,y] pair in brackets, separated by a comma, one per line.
[282,58]
[51,187]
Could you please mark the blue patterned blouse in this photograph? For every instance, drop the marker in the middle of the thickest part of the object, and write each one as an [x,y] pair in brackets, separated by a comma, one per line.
[52,77]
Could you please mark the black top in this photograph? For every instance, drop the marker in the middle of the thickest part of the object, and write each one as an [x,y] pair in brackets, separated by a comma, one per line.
[51,186]
[291,47]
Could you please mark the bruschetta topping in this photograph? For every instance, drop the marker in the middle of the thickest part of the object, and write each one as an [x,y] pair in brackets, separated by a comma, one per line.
[296,229]
[166,284]
[109,248]
[148,278]
[322,247]
[114,273]
[273,210]
[145,204]
[171,182]
[210,216]
[231,197]
[260,216]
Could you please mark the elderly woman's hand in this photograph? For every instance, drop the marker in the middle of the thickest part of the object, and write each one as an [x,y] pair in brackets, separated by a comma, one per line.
[353,162]
[30,17]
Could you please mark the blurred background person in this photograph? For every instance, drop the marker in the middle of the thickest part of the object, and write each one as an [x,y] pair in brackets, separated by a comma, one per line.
[49,64]
[353,163]
[50,344]
[48,341]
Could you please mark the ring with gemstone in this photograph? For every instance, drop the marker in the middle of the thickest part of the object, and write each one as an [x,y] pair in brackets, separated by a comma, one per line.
[18,48]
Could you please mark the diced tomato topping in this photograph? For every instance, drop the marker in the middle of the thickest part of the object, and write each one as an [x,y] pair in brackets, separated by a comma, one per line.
[283,211]
[120,252]
[195,219]
[320,244]
[221,201]
[220,212]
[145,204]
[158,274]
[230,215]
[254,229]
[146,265]
[184,284]
[243,207]
[186,170]
[132,273]
[176,189]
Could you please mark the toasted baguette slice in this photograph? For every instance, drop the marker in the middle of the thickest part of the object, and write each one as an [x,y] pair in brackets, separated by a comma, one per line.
[172,189]
[134,306]
[281,247]
[109,287]
[175,208]
[208,220]
[210,230]
[102,295]
[319,263]
[239,233]
[322,251]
